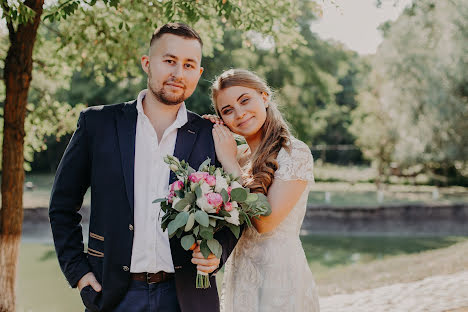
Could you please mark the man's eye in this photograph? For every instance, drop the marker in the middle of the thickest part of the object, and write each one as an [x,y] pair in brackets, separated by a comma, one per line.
[169,61]
[188,65]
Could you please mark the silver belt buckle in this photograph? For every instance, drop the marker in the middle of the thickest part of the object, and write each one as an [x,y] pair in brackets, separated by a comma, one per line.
[148,279]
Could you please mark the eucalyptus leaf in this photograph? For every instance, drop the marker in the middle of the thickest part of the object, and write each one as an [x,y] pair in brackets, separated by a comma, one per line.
[159,200]
[190,197]
[206,232]
[225,195]
[215,247]
[181,219]
[205,163]
[205,250]
[198,191]
[252,197]
[202,218]
[187,241]
[234,229]
[181,204]
[239,195]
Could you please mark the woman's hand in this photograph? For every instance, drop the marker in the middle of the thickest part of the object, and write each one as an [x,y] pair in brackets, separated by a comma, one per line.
[226,149]
[214,119]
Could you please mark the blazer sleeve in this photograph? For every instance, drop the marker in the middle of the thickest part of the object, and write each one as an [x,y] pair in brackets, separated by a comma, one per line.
[72,179]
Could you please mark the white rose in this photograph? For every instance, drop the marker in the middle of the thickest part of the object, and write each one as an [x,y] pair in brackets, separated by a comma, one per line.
[236,184]
[205,188]
[234,218]
[220,184]
[202,202]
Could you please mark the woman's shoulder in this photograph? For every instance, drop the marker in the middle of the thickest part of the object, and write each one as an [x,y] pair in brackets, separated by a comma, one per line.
[295,147]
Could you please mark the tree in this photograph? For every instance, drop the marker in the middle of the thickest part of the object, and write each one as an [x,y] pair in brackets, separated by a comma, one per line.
[422,68]
[109,33]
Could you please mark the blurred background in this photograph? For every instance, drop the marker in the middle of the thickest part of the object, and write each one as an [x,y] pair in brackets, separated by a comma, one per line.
[377,89]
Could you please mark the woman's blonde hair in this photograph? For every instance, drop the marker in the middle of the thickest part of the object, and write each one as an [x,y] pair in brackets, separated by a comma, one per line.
[259,171]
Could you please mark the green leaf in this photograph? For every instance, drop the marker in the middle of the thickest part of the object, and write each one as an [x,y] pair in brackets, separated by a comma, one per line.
[234,229]
[238,195]
[190,222]
[159,200]
[190,197]
[198,191]
[252,197]
[212,222]
[172,227]
[225,195]
[215,247]
[181,219]
[202,218]
[181,204]
[196,230]
[224,213]
[206,232]
[205,163]
[205,250]
[187,241]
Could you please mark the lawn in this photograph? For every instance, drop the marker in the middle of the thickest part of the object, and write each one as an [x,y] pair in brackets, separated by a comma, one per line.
[42,287]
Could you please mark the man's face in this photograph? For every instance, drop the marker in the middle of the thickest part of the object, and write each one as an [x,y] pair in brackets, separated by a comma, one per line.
[173,68]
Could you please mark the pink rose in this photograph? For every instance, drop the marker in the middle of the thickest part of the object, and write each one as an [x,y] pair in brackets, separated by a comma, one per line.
[210,180]
[177,186]
[214,199]
[229,190]
[170,196]
[197,176]
[228,206]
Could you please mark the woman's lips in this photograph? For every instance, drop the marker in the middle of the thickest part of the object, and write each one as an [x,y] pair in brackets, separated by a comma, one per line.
[244,122]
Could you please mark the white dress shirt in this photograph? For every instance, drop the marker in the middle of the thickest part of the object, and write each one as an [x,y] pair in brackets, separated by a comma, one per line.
[151,251]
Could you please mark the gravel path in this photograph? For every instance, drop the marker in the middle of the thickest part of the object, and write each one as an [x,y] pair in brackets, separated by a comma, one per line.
[432,294]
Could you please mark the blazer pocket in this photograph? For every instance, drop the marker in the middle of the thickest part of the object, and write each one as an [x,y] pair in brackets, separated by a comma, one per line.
[96,245]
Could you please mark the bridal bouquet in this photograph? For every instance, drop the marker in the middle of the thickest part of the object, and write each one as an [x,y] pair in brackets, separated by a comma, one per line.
[202,202]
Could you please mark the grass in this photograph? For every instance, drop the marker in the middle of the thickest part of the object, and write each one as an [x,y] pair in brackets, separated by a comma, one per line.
[337,262]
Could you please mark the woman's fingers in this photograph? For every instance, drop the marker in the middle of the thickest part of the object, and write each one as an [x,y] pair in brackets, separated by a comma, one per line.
[214,119]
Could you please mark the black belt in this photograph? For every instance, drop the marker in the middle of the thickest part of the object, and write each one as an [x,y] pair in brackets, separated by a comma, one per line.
[152,278]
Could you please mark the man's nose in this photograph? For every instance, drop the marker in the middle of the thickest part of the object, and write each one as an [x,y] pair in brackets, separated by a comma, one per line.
[178,71]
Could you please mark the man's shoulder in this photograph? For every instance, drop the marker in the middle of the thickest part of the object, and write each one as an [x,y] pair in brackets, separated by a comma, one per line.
[199,121]
[109,110]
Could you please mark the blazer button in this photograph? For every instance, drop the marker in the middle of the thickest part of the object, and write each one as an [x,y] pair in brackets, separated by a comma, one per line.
[125,268]
[130,227]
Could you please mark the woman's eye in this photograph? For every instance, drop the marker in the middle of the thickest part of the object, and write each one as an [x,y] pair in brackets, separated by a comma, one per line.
[245,100]
[227,111]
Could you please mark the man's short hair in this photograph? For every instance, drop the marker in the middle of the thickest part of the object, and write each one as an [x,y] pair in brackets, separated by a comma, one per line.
[178,29]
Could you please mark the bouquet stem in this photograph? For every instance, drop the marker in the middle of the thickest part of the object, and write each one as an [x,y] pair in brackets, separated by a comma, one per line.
[203,280]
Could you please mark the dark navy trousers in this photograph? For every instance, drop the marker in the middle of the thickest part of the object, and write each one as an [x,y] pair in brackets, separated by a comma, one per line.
[144,297]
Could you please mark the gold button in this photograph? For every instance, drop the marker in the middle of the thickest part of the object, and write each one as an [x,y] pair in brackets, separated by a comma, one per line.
[130,227]
[125,268]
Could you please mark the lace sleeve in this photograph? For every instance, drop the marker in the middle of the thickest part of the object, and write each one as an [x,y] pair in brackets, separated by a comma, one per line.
[296,165]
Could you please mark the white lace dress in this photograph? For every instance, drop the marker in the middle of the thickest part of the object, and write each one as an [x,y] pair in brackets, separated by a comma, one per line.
[269,272]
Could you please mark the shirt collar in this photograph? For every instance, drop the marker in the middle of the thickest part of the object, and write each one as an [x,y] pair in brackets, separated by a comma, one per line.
[181,118]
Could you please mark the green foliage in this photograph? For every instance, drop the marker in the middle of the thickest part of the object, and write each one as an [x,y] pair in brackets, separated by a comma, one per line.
[415,109]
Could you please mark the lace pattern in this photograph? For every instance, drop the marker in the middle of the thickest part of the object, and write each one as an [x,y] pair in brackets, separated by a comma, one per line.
[269,272]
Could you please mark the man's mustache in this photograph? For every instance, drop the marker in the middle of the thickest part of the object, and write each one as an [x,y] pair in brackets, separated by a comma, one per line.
[175,82]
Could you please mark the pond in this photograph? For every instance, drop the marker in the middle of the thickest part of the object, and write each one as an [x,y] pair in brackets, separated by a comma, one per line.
[41,286]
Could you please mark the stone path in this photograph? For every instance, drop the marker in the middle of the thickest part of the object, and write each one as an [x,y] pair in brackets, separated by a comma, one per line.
[432,294]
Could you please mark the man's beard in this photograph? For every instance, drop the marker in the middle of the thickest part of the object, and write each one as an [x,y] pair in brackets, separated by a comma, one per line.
[161,94]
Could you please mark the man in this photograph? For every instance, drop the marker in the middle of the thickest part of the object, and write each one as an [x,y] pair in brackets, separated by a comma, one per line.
[118,150]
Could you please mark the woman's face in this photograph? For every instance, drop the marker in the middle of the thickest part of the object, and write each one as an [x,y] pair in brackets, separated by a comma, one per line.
[242,109]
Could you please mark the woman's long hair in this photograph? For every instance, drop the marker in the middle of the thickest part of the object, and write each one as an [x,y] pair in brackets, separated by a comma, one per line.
[259,171]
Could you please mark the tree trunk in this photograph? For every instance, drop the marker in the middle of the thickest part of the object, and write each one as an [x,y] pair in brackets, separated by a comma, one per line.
[17,76]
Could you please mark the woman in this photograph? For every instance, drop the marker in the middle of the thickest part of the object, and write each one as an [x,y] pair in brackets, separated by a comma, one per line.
[267,270]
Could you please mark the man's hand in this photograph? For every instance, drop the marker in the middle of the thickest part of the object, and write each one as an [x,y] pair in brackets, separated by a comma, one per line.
[204,265]
[89,279]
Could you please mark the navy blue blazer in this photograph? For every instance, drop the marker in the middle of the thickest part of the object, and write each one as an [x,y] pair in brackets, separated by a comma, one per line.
[101,155]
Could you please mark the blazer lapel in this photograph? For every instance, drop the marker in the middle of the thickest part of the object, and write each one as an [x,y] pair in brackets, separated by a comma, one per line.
[186,137]
[126,129]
